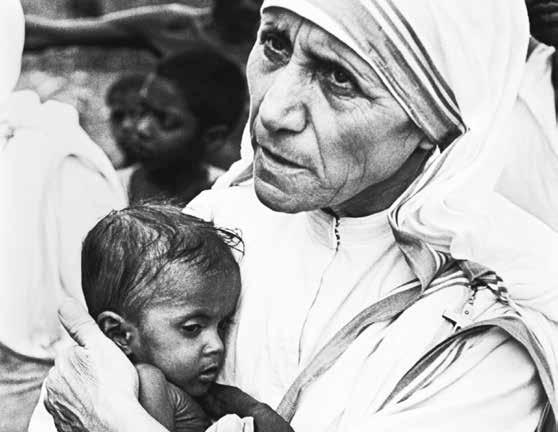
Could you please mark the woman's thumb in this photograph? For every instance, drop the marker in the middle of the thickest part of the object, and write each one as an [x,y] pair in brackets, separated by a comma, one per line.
[79,324]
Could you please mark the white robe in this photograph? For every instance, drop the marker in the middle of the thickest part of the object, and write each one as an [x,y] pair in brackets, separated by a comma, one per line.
[304,278]
[301,285]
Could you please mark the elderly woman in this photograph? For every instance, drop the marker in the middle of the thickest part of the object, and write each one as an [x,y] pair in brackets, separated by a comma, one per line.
[400,229]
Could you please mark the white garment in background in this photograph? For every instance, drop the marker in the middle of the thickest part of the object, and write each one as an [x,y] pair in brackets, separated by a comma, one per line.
[55,183]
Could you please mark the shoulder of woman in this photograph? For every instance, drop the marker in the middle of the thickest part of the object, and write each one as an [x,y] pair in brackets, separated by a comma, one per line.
[226,203]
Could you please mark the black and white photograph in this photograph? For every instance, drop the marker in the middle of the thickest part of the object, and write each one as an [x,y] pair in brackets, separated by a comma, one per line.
[278,216]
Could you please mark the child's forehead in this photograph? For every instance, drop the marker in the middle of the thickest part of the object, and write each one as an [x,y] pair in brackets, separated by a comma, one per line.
[187,292]
[187,281]
[162,91]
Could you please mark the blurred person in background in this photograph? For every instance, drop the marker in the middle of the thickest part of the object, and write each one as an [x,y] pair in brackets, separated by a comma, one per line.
[55,183]
[170,121]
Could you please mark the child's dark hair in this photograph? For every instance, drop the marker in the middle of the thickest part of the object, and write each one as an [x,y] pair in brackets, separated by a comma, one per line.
[127,250]
[237,21]
[213,86]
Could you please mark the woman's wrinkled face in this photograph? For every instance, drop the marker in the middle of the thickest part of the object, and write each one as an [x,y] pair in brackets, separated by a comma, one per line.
[324,128]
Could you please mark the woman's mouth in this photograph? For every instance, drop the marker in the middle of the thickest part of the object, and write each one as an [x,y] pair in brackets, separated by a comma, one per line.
[275,158]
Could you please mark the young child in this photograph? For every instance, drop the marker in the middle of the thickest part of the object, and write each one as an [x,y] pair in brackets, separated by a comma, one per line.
[170,122]
[163,286]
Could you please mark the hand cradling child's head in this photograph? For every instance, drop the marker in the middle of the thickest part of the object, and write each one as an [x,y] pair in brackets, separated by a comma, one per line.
[163,286]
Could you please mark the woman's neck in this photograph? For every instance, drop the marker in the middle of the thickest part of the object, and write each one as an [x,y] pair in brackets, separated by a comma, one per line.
[380,196]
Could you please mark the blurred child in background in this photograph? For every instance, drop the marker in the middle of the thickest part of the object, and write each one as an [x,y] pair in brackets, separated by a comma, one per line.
[168,122]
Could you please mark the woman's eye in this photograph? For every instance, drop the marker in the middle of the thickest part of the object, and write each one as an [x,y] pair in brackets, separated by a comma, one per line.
[275,43]
[192,330]
[276,46]
[340,80]
[341,77]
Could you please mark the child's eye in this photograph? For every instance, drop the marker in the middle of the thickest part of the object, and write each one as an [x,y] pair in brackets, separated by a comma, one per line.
[172,122]
[168,120]
[191,330]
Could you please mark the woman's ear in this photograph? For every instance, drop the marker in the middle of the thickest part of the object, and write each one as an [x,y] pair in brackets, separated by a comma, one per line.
[118,329]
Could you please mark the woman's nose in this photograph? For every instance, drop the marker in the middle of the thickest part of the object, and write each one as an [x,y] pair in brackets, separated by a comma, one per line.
[282,107]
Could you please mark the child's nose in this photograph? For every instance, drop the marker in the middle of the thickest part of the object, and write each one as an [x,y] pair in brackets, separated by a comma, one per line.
[144,127]
[128,123]
[214,345]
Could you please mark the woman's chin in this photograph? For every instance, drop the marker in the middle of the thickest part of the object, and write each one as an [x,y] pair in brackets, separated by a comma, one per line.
[278,199]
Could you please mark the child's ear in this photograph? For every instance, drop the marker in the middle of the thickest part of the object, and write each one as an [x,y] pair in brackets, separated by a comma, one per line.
[214,138]
[118,329]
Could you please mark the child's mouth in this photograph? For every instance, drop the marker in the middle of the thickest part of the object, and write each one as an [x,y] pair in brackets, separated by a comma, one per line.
[209,375]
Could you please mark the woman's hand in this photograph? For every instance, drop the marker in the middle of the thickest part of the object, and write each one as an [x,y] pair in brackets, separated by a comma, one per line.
[168,404]
[222,400]
[92,384]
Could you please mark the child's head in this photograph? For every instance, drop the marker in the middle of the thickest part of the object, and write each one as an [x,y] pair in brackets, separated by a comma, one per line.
[163,286]
[182,111]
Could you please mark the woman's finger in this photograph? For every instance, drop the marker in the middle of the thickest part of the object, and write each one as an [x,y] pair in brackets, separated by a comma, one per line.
[79,324]
[222,399]
[188,415]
